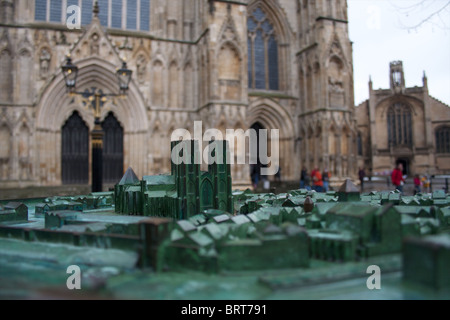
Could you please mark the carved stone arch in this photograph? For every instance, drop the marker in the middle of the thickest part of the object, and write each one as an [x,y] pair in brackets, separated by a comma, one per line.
[24,118]
[335,49]
[230,71]
[271,115]
[229,33]
[93,72]
[411,102]
[232,45]
[25,43]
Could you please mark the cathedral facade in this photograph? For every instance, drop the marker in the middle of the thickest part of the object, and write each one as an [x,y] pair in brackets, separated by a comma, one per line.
[403,125]
[272,64]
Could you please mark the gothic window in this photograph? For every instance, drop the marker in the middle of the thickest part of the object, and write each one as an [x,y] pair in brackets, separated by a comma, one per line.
[360,144]
[131,14]
[443,140]
[145,15]
[116,14]
[399,126]
[40,10]
[263,70]
[55,10]
[86,12]
[104,12]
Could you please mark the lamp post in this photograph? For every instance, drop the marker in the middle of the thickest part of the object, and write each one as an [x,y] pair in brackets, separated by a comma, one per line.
[70,72]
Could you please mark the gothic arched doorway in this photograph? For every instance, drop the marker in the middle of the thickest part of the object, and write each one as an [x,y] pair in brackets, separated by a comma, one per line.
[406,163]
[112,149]
[255,168]
[75,151]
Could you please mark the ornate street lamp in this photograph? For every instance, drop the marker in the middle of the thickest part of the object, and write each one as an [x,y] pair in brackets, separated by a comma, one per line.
[70,72]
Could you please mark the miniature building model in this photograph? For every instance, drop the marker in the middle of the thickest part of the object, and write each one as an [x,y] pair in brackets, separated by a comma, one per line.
[185,192]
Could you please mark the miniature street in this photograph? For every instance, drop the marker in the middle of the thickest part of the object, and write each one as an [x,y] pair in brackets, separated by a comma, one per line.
[187,235]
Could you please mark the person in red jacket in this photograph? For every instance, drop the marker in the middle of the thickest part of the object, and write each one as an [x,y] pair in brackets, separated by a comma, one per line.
[397,178]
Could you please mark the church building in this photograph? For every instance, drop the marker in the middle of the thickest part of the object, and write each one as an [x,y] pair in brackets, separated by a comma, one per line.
[263,64]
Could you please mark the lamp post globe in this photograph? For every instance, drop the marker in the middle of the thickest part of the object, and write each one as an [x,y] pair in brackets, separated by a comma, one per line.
[70,73]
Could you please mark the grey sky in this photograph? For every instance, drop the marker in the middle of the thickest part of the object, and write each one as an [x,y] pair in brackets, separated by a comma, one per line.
[377,30]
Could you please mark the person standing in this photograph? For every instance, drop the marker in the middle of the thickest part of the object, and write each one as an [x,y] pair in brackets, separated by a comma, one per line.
[303,176]
[307,182]
[417,184]
[326,180]
[361,175]
[317,180]
[425,183]
[397,178]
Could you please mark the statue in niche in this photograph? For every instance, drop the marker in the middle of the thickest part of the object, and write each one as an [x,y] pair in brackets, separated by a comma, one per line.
[95,44]
[336,91]
[141,68]
[335,85]
[44,62]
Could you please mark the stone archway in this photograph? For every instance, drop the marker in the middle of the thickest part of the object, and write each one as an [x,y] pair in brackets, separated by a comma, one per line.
[56,106]
[271,115]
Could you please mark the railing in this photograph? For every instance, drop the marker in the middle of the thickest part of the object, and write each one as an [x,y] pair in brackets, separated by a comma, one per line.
[439,182]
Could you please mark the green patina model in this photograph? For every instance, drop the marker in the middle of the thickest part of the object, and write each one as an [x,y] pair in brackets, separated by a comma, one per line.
[184,193]
[190,222]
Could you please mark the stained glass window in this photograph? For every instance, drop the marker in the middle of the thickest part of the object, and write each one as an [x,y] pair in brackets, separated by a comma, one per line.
[86,12]
[145,15]
[116,14]
[399,126]
[104,12]
[40,10]
[263,70]
[55,10]
[443,140]
[131,14]
[137,12]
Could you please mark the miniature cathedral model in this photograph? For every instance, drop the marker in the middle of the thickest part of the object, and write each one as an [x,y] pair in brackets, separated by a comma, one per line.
[187,191]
